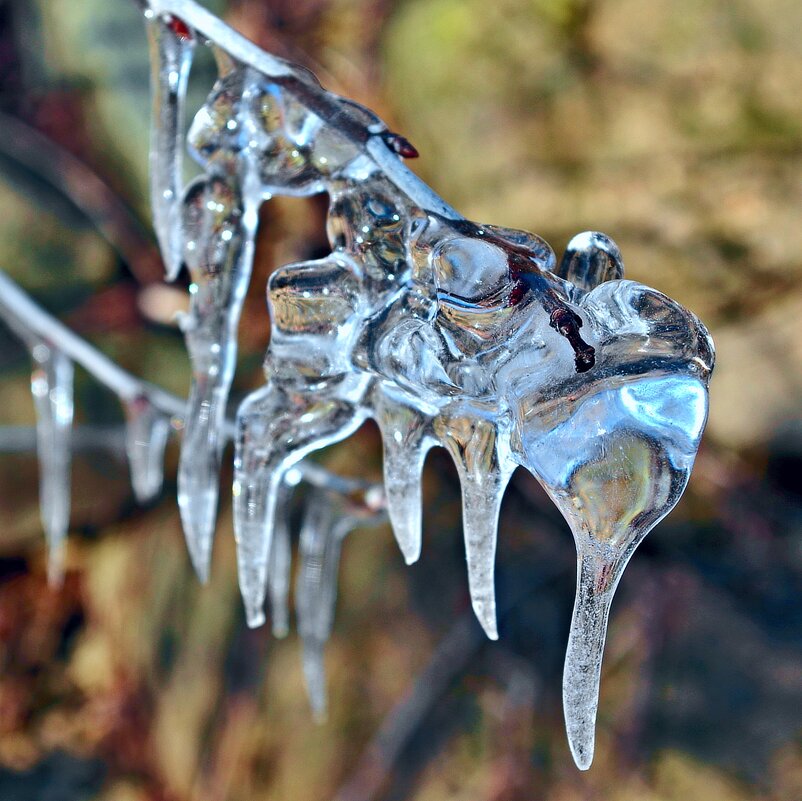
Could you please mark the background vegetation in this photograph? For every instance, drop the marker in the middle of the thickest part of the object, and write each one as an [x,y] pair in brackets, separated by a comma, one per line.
[675,127]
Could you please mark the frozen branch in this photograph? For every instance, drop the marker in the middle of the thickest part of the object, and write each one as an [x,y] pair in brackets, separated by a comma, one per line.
[31,323]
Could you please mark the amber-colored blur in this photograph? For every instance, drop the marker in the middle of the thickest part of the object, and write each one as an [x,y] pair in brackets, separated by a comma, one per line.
[676,128]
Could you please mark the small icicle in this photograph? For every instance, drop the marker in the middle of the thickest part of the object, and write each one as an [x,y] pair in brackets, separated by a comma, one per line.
[257,484]
[146,433]
[481,454]
[316,589]
[404,434]
[280,564]
[51,386]
[597,578]
[171,49]
[199,471]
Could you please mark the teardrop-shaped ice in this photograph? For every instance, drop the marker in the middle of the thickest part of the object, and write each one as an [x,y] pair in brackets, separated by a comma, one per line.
[51,386]
[171,49]
[613,488]
[146,432]
[481,454]
[316,588]
[407,439]
[280,564]
[591,258]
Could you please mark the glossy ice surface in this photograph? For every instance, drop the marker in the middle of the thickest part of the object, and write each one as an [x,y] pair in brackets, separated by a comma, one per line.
[446,332]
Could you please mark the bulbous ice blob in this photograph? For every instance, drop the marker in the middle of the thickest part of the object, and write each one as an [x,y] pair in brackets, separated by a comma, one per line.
[590,259]
[615,452]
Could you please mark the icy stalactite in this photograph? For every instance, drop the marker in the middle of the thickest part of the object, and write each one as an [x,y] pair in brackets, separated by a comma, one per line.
[147,430]
[316,589]
[328,519]
[218,224]
[51,387]
[444,331]
[273,435]
[406,442]
[484,466]
[171,49]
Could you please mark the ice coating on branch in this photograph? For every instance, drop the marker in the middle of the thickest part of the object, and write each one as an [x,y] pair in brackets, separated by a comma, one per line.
[218,223]
[171,48]
[146,432]
[445,331]
[51,387]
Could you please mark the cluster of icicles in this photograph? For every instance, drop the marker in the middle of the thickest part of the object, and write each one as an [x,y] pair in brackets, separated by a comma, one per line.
[445,332]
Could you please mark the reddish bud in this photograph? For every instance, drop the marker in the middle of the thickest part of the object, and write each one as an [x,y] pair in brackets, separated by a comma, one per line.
[179,27]
[401,145]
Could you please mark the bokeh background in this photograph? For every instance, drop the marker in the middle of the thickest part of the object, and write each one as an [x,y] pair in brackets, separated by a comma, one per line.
[676,127]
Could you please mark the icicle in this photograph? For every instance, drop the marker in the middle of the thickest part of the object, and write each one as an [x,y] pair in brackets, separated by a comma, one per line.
[280,564]
[597,578]
[51,386]
[613,488]
[220,214]
[329,517]
[316,588]
[404,434]
[172,45]
[146,432]
[274,431]
[484,467]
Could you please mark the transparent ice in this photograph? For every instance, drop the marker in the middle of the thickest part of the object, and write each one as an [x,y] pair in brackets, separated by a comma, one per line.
[446,332]
[328,518]
[147,429]
[51,387]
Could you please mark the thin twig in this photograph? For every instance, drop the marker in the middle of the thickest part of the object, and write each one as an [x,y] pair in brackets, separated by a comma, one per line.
[22,439]
[33,324]
[303,85]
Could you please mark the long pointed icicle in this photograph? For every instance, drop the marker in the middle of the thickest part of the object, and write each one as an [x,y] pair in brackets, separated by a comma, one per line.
[484,469]
[171,45]
[51,386]
[404,436]
[220,220]
[597,578]
[146,432]
[316,590]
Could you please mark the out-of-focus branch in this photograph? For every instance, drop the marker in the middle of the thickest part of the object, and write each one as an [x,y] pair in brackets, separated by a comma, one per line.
[33,324]
[22,439]
[71,177]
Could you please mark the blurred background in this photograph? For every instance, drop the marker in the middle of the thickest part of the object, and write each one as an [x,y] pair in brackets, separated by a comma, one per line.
[675,127]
